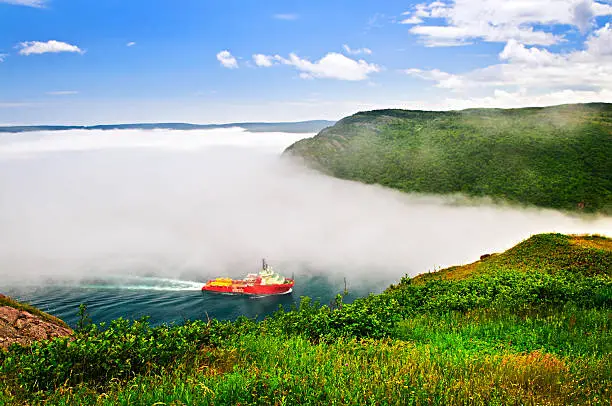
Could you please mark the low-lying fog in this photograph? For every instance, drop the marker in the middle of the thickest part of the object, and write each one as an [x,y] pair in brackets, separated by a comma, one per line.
[193,204]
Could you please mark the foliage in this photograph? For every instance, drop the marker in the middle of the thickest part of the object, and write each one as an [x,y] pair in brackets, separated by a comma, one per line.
[533,327]
[85,322]
[555,157]
[98,354]
[269,370]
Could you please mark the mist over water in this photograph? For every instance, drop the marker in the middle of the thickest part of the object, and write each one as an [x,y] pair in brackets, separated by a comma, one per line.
[166,210]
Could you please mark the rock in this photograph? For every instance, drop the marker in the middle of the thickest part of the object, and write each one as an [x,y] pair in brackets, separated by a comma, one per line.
[36,332]
[8,314]
[22,327]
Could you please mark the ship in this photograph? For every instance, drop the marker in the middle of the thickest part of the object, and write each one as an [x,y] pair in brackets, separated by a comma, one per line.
[266,282]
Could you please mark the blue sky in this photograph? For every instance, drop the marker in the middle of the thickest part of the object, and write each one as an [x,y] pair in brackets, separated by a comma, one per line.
[87,62]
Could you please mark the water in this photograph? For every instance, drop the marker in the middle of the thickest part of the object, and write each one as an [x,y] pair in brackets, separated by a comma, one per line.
[169,301]
[164,211]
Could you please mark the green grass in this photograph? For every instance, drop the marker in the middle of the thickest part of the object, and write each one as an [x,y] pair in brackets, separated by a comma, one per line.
[292,370]
[556,157]
[533,326]
[564,332]
[580,254]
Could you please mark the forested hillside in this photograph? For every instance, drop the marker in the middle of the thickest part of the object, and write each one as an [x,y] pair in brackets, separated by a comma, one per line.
[556,157]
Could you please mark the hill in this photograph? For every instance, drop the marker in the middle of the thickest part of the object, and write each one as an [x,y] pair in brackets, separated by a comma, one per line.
[528,326]
[578,254]
[556,157]
[289,127]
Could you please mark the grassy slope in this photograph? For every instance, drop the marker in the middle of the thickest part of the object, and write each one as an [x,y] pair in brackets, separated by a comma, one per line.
[586,254]
[555,157]
[528,326]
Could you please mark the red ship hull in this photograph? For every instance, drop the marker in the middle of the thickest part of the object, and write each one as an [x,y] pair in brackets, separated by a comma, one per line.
[239,287]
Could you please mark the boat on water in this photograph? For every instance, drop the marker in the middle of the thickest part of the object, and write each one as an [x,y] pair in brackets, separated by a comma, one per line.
[266,282]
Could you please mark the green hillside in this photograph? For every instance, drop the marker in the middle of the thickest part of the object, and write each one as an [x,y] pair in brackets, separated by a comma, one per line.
[531,325]
[576,254]
[556,157]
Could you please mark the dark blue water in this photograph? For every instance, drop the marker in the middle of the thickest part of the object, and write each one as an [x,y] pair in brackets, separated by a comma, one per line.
[174,301]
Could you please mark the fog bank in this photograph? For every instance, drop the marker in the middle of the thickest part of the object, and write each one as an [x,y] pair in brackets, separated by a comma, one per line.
[200,203]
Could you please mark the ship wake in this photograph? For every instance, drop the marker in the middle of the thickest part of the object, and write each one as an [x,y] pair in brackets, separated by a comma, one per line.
[141,283]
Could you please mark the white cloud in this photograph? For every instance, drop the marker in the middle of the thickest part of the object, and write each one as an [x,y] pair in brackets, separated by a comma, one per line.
[460,35]
[29,3]
[227,60]
[263,60]
[600,42]
[411,20]
[518,53]
[501,20]
[52,46]
[331,66]
[537,70]
[358,51]
[3,57]
[378,20]
[498,98]
[287,17]
[62,92]
[445,80]
[14,105]
[130,44]
[522,97]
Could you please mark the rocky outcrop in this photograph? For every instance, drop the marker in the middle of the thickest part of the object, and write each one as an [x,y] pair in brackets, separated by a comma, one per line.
[23,327]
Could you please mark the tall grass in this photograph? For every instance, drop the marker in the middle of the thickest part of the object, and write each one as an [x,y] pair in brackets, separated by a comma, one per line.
[570,331]
[288,371]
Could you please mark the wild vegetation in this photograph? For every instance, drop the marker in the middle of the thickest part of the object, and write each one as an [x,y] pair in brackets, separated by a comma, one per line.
[556,157]
[531,325]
